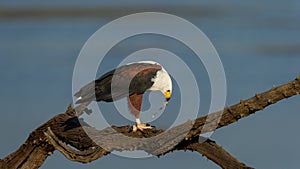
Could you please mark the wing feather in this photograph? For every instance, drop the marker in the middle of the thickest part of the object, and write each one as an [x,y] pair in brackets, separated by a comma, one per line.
[122,82]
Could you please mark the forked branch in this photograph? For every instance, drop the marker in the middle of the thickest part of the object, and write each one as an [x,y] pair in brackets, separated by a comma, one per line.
[66,129]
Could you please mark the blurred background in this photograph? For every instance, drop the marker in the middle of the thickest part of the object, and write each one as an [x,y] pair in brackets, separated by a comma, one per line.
[258,43]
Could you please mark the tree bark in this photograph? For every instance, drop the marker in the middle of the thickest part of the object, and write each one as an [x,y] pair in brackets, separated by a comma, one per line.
[66,129]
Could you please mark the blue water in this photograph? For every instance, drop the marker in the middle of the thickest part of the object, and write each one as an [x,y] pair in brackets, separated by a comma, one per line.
[258,43]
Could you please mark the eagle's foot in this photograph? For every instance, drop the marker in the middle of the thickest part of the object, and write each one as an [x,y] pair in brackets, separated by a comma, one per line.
[141,127]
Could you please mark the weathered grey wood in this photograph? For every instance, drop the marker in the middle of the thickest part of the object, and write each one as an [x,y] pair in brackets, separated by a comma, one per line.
[67,130]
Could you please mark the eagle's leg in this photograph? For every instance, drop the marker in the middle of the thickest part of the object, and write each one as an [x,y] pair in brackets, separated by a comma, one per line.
[134,105]
[140,126]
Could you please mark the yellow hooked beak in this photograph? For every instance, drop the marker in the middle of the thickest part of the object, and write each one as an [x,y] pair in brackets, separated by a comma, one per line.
[167,96]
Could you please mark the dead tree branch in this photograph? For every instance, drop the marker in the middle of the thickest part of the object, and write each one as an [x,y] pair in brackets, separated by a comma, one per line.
[66,129]
[217,154]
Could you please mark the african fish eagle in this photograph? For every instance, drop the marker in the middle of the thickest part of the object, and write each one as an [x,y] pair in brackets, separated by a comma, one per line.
[132,81]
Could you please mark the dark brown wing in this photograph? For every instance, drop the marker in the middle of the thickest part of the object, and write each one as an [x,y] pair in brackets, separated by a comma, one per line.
[121,82]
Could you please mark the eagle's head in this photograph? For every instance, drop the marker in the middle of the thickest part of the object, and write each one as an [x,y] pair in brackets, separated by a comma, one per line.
[163,83]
